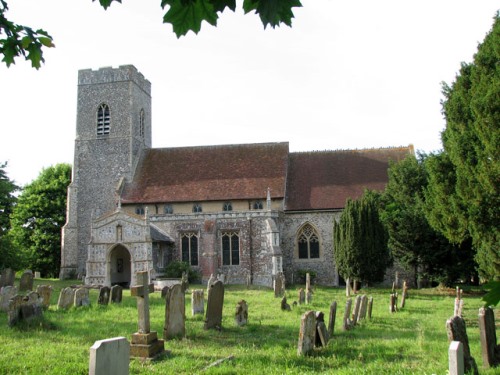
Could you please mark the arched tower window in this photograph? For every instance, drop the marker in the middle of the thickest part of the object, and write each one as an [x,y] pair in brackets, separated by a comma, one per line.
[141,123]
[308,243]
[103,119]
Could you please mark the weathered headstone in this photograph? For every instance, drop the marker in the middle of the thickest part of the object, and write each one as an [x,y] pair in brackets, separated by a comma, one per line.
[308,296]
[279,284]
[37,274]
[393,302]
[404,294]
[459,303]
[81,297]
[456,330]
[302,296]
[145,343]
[24,308]
[215,302]
[45,292]
[175,313]
[210,281]
[110,357]
[6,293]
[331,321]
[370,307]
[7,278]
[487,333]
[184,281]
[104,294]
[26,282]
[456,358]
[116,294]
[66,298]
[363,308]
[321,331]
[284,305]
[241,314]
[307,333]
[346,323]
[348,289]
[197,302]
[357,306]
[308,281]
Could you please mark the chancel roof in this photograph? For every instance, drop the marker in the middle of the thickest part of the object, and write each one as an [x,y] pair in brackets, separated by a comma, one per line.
[325,179]
[209,173]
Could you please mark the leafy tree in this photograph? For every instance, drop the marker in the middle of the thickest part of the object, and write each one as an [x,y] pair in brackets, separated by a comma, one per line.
[184,15]
[360,240]
[468,195]
[7,201]
[38,217]
[412,240]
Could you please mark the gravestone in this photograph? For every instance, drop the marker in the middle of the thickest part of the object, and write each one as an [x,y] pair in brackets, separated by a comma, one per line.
[321,331]
[307,333]
[331,321]
[308,281]
[279,285]
[404,295]
[26,282]
[37,274]
[210,281]
[308,296]
[110,357]
[66,298]
[393,302]
[215,302]
[116,294]
[175,313]
[456,330]
[145,343]
[363,307]
[8,277]
[302,296]
[45,292]
[357,305]
[24,308]
[346,322]
[197,302]
[104,294]
[370,307]
[81,297]
[284,305]
[456,358]
[241,314]
[184,281]
[487,333]
[348,289]
[6,293]
[459,303]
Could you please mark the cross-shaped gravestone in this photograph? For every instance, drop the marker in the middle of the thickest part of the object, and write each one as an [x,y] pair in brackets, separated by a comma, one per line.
[142,291]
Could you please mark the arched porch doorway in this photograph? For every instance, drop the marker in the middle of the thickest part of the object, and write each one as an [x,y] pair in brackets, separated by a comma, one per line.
[119,266]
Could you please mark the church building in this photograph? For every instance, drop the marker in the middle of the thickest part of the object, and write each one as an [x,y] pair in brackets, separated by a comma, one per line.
[247,211]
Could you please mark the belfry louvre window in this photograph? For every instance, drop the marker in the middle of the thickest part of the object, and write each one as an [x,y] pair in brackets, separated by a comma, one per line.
[141,123]
[103,120]
[230,249]
[189,248]
[308,243]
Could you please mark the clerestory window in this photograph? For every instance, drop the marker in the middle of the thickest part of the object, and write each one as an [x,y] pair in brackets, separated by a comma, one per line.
[227,206]
[103,120]
[169,209]
[197,208]
[230,248]
[257,205]
[189,248]
[308,243]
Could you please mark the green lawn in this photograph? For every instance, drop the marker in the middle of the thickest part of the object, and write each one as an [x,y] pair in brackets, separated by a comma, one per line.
[411,341]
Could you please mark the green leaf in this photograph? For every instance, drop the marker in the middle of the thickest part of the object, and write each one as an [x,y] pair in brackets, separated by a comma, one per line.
[47,42]
[220,5]
[188,15]
[107,3]
[492,298]
[25,42]
[272,12]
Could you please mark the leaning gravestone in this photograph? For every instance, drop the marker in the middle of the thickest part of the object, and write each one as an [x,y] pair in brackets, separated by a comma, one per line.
[110,357]
[346,323]
[357,305]
[456,330]
[104,294]
[45,292]
[6,293]
[302,296]
[66,298]
[116,294]
[241,315]
[24,308]
[213,317]
[370,307]
[145,343]
[331,321]
[487,333]
[26,282]
[81,297]
[175,313]
[321,331]
[363,307]
[307,333]
[197,302]
[8,277]
[284,305]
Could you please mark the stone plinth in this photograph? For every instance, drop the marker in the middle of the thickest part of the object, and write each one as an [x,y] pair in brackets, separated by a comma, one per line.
[146,345]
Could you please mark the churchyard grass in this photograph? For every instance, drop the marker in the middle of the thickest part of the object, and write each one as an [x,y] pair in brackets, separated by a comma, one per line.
[411,341]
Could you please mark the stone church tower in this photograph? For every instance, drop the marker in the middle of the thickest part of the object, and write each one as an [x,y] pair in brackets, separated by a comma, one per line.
[113,128]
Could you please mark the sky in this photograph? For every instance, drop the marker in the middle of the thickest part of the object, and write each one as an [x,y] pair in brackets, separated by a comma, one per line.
[348,74]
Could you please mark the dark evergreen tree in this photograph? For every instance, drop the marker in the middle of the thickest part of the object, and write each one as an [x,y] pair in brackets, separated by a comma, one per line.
[8,188]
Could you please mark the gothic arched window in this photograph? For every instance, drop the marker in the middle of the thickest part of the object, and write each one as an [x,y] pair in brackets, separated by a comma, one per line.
[103,120]
[230,249]
[308,243]
[189,248]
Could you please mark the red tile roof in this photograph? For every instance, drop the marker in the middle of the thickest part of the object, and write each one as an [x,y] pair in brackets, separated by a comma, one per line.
[207,173]
[325,179]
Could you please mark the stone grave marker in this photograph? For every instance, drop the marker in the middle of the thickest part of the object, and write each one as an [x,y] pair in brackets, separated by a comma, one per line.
[241,314]
[459,303]
[363,307]
[393,302]
[66,298]
[308,296]
[456,330]
[278,285]
[81,297]
[307,333]
[24,308]
[197,302]
[210,281]
[346,323]
[110,357]
[456,358]
[284,305]
[145,343]
[404,294]
[302,296]
[308,281]
[26,282]
[6,293]
[331,321]
[213,317]
[8,277]
[37,275]
[355,314]
[175,313]
[370,307]
[184,281]
[487,333]
[45,292]
[321,331]
[104,294]
[116,294]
